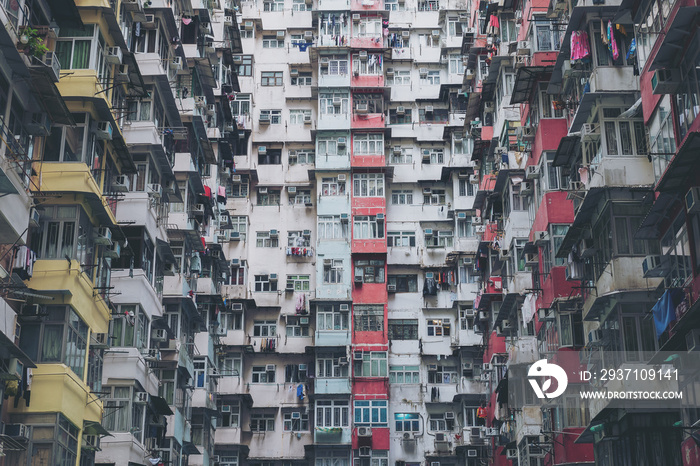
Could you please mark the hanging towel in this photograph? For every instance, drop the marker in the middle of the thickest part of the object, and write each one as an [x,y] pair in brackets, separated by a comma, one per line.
[612,43]
[664,309]
[300,391]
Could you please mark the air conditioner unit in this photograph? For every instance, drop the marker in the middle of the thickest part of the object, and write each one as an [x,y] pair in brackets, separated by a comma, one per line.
[489,107]
[428,232]
[344,307]
[159,334]
[435,33]
[476,220]
[17,431]
[505,253]
[432,367]
[665,81]
[355,18]
[523,47]
[423,72]
[342,141]
[262,150]
[487,367]
[141,397]
[364,431]
[270,368]
[308,34]
[532,172]
[342,361]
[595,336]
[363,452]
[380,216]
[303,321]
[429,109]
[150,22]
[361,108]
[103,236]
[237,59]
[390,71]
[590,131]
[512,453]
[248,25]
[274,233]
[280,34]
[151,354]
[526,133]
[289,287]
[397,150]
[264,119]
[114,251]
[344,218]
[483,315]
[692,200]
[467,366]
[526,187]
[692,340]
[114,55]
[103,130]
[391,288]
[363,54]
[337,101]
[273,277]
[541,237]
[324,62]
[400,110]
[471,453]
[473,179]
[294,72]
[450,415]
[359,278]
[408,436]
[235,236]
[237,306]
[341,177]
[155,190]
[176,63]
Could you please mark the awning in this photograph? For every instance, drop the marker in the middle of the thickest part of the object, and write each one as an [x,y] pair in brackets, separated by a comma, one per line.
[509,304]
[205,72]
[682,166]
[568,148]
[659,212]
[49,97]
[675,38]
[165,252]
[525,81]
[8,350]
[12,56]
[6,186]
[160,406]
[189,448]
[467,42]
[66,13]
[95,428]
[135,78]
[582,220]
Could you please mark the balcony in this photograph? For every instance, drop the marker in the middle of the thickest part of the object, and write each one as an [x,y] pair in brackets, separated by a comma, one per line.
[332,386]
[332,338]
[367,81]
[368,161]
[333,435]
[367,120]
[367,5]
[227,436]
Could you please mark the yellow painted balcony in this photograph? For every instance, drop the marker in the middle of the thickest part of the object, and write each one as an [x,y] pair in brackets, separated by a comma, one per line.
[56,388]
[69,285]
[77,178]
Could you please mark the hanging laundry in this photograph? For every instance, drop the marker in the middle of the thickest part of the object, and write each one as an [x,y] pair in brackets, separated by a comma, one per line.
[300,391]
[580,47]
[221,195]
[612,43]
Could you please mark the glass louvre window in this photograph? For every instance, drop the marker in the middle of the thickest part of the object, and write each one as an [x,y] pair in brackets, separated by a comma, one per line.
[371,412]
[369,317]
[368,185]
[403,329]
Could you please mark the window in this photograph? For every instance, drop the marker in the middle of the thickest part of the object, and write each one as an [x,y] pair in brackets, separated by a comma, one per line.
[230,412]
[438,327]
[302,157]
[570,330]
[548,37]
[428,5]
[331,146]
[369,317]
[239,224]
[514,200]
[371,412]
[331,457]
[332,271]
[231,364]
[407,422]
[271,78]
[430,79]
[403,329]
[265,240]
[438,423]
[200,372]
[71,143]
[404,374]
[371,66]
[623,136]
[301,197]
[332,413]
[465,228]
[262,375]
[336,103]
[238,190]
[401,239]
[268,197]
[126,415]
[298,282]
[371,271]
[377,458]
[337,65]
[61,337]
[82,49]
[304,79]
[245,68]
[367,227]
[368,144]
[442,374]
[331,317]
[273,116]
[263,283]
[434,156]
[404,196]
[368,185]
[297,239]
[129,327]
[264,328]
[456,26]
[332,187]
[368,27]
[509,30]
[331,227]
[456,65]
[372,364]
[294,373]
[440,239]
[329,365]
[404,283]
[435,197]
[300,5]
[368,103]
[295,421]
[296,117]
[394,5]
[404,156]
[262,422]
[272,42]
[400,78]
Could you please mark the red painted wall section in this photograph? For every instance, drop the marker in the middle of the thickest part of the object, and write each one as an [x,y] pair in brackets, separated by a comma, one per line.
[556,285]
[366,81]
[530,7]
[543,58]
[549,133]
[496,345]
[569,360]
[649,100]
[566,451]
[499,458]
[378,441]
[486,133]
[555,208]
[367,120]
[370,386]
[369,161]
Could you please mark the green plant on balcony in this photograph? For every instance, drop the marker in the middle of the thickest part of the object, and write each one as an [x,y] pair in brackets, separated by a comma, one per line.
[33,44]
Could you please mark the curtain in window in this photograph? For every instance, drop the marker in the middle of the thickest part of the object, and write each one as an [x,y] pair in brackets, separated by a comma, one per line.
[81,55]
[51,347]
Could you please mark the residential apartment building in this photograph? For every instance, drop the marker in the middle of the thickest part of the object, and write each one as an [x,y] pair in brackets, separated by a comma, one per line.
[280,233]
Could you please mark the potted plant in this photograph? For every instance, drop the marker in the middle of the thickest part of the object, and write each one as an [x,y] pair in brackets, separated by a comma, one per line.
[32,43]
